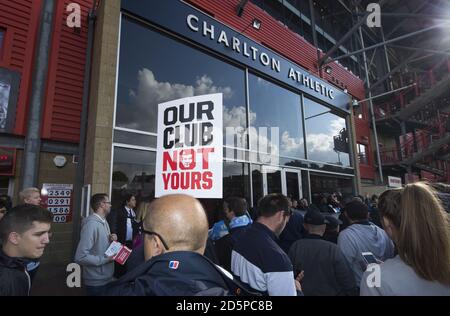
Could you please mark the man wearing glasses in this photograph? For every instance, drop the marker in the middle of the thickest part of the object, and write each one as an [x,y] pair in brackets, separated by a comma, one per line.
[95,238]
[176,230]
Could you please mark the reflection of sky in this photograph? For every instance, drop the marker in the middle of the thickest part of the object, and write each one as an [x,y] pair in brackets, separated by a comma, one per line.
[154,69]
[273,106]
[320,131]
[234,169]
[134,162]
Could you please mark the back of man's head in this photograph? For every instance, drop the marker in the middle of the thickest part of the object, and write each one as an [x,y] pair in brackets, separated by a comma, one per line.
[356,211]
[180,220]
[97,199]
[21,218]
[272,203]
[237,205]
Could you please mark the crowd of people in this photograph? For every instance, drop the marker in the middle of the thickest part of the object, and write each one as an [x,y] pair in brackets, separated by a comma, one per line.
[282,247]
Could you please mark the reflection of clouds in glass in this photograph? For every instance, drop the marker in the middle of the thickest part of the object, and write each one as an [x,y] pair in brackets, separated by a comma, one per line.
[291,145]
[205,85]
[262,143]
[321,142]
[336,126]
[236,117]
[150,92]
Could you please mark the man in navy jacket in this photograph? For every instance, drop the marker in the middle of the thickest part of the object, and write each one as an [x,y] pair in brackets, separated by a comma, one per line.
[176,230]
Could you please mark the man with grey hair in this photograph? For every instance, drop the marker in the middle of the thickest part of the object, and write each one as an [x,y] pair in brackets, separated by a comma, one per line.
[30,196]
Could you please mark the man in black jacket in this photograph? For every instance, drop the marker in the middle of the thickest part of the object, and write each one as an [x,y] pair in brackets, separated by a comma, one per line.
[123,225]
[24,232]
[176,229]
[326,272]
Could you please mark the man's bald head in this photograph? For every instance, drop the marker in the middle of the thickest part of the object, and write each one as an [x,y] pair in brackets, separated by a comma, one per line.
[179,219]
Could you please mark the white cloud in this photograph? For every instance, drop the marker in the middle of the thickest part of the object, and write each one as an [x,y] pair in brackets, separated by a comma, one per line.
[205,85]
[150,92]
[336,126]
[235,116]
[291,145]
[323,142]
[319,143]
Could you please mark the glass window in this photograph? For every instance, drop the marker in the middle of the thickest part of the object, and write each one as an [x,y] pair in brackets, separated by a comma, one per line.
[321,183]
[326,135]
[362,154]
[275,119]
[305,185]
[257,183]
[154,68]
[131,138]
[134,171]
[236,179]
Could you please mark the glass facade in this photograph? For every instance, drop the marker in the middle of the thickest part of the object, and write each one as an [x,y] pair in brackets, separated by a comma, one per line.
[155,67]
[323,183]
[274,106]
[160,69]
[327,137]
[133,170]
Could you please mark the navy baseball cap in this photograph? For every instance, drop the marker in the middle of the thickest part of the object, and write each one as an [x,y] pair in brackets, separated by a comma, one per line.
[333,222]
[314,217]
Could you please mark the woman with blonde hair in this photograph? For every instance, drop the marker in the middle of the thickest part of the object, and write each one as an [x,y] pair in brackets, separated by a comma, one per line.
[142,210]
[415,220]
[137,256]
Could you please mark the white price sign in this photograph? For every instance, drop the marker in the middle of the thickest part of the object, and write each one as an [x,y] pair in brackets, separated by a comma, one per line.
[59,210]
[58,200]
[59,193]
[59,218]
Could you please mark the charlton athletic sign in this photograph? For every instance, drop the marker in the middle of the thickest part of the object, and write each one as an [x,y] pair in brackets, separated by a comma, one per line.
[189,156]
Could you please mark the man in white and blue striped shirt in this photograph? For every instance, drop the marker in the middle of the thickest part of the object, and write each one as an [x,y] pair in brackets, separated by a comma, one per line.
[257,260]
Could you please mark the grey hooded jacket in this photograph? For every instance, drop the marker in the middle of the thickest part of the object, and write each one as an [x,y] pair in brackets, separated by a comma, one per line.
[90,254]
[364,237]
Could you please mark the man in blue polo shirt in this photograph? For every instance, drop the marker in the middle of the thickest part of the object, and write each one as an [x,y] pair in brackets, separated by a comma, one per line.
[257,260]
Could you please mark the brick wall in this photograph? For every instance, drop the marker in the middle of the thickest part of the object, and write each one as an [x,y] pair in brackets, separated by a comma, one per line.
[101,108]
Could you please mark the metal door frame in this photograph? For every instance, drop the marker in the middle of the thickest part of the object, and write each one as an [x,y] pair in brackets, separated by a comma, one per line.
[283,179]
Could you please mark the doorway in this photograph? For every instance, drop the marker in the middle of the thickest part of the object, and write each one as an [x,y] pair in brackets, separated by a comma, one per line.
[282,180]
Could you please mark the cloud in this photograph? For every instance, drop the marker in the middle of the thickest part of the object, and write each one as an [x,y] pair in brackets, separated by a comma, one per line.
[150,92]
[321,145]
[336,126]
[205,85]
[236,117]
[322,142]
[291,145]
